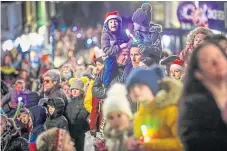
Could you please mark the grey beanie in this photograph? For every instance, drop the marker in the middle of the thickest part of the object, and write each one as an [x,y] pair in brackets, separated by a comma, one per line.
[142,16]
[77,84]
[54,75]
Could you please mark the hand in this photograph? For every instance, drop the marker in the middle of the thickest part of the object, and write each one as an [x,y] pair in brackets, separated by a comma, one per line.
[131,144]
[124,45]
[13,104]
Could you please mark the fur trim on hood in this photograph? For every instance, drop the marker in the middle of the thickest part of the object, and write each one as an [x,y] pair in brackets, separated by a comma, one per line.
[169,94]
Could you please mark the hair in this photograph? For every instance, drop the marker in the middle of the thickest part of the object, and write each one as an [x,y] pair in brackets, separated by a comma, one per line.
[20,82]
[23,111]
[196,31]
[191,83]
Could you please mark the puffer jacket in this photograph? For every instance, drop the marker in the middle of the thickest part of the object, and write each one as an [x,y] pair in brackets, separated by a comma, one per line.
[98,90]
[77,116]
[160,118]
[111,42]
[88,97]
[150,42]
[57,119]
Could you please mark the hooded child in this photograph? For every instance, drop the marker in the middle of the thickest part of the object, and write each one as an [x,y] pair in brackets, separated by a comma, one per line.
[147,34]
[55,117]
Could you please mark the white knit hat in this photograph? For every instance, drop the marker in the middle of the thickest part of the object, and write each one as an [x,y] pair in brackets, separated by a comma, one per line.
[117,100]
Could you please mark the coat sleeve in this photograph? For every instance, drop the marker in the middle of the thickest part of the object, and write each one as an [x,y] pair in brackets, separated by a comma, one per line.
[63,124]
[110,49]
[88,97]
[167,144]
[98,89]
[5,99]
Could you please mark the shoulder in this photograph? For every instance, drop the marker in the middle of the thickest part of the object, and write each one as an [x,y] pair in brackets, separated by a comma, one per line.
[155,28]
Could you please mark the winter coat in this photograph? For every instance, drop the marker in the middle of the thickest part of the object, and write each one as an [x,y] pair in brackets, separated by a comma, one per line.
[200,124]
[150,42]
[57,119]
[77,116]
[38,114]
[88,97]
[17,143]
[57,91]
[111,42]
[160,118]
[115,141]
[98,89]
[96,114]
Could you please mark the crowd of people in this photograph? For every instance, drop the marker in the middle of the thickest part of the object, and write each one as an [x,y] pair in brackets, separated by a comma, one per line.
[132,96]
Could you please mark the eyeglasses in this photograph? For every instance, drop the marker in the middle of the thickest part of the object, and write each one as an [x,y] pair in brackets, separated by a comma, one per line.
[46,81]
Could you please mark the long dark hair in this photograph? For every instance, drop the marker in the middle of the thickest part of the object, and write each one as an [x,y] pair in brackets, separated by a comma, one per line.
[192,84]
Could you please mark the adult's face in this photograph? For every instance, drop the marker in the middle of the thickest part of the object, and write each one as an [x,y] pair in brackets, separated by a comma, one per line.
[98,67]
[212,63]
[48,83]
[124,56]
[135,56]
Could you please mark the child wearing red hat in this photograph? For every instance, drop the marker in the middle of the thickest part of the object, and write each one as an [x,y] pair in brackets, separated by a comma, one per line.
[177,69]
[113,40]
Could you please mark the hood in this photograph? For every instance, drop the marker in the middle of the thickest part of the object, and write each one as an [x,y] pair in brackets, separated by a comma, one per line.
[59,106]
[155,28]
[38,114]
[169,94]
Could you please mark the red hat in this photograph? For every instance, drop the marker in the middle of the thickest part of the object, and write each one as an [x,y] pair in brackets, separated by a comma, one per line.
[178,64]
[112,15]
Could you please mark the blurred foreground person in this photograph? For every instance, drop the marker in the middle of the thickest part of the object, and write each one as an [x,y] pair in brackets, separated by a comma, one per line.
[10,136]
[200,122]
[55,139]
[155,123]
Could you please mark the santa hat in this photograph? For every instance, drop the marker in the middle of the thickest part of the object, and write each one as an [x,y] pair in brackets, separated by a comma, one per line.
[117,100]
[178,64]
[112,15]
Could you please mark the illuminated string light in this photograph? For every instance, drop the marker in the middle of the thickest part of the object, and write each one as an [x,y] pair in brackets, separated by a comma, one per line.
[89,41]
[79,35]
[7,45]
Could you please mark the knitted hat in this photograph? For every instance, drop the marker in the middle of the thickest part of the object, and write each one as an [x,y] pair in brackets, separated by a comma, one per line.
[149,77]
[142,16]
[54,75]
[112,15]
[177,64]
[77,84]
[51,140]
[116,100]
[147,61]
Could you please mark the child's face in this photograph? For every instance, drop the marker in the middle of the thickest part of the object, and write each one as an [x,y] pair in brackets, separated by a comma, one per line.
[51,109]
[199,39]
[75,92]
[113,25]
[118,120]
[24,118]
[141,93]
[175,74]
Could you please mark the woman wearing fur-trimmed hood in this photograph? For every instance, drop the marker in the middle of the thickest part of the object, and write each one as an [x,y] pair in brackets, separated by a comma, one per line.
[156,118]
